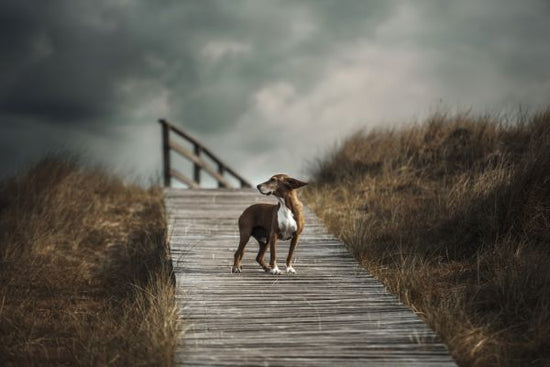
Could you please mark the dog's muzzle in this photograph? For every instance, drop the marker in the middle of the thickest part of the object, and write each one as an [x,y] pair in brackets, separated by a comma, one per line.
[259,187]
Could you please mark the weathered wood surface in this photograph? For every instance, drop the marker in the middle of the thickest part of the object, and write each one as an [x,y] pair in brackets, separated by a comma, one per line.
[331,313]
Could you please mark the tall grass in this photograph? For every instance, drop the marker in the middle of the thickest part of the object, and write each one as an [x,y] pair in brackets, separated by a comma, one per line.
[85,274]
[453,215]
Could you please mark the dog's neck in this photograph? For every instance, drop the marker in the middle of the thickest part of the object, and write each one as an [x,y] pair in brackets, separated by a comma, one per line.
[290,200]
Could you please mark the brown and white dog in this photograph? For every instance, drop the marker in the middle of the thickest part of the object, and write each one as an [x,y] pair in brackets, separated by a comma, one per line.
[269,222]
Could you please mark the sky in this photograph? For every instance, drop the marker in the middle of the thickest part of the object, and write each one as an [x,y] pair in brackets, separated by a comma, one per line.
[269,86]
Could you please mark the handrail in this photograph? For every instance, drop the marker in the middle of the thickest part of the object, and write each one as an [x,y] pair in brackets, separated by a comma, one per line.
[193,156]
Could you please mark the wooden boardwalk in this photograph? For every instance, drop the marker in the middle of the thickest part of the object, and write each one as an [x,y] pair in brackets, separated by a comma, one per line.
[331,313]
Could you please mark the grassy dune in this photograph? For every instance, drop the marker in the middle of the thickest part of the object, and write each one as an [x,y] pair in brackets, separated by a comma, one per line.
[85,277]
[453,215]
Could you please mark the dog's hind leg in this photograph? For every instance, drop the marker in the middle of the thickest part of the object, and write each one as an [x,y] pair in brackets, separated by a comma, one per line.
[237,267]
[261,253]
[260,234]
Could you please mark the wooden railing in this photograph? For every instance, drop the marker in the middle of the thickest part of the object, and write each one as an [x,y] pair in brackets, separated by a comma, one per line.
[195,157]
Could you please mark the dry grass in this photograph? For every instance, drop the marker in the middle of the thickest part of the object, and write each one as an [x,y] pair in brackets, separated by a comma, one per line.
[85,276]
[453,215]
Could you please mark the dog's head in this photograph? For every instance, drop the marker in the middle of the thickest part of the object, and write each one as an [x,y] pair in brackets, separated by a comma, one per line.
[279,185]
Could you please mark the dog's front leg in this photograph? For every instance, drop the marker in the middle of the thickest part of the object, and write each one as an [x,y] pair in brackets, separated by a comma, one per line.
[273,255]
[290,258]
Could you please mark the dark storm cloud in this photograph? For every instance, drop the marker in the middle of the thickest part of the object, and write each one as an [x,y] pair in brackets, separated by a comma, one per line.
[65,60]
[62,66]
[255,79]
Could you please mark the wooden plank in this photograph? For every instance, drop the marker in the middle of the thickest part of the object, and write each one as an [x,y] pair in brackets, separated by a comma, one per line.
[331,313]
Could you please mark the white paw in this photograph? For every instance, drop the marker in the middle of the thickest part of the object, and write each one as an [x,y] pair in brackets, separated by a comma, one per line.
[275,270]
[236,269]
[290,270]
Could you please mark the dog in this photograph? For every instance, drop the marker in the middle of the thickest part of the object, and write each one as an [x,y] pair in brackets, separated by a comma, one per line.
[269,222]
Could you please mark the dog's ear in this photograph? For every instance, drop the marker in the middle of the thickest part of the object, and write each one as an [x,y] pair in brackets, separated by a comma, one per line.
[294,183]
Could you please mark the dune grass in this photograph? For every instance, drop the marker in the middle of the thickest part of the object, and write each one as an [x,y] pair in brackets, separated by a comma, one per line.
[85,274]
[453,216]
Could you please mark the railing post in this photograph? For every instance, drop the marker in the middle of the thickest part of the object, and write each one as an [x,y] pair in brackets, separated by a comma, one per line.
[166,151]
[196,167]
[221,170]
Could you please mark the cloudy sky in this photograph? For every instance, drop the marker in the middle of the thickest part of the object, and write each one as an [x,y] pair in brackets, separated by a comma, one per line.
[268,85]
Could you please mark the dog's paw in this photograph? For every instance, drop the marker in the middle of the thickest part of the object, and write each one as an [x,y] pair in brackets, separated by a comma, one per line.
[236,269]
[290,270]
[275,270]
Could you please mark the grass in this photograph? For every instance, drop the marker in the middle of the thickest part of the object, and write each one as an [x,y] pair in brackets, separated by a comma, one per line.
[453,216]
[85,274]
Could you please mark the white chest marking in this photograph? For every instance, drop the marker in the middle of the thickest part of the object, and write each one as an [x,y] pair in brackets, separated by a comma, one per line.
[286,221]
